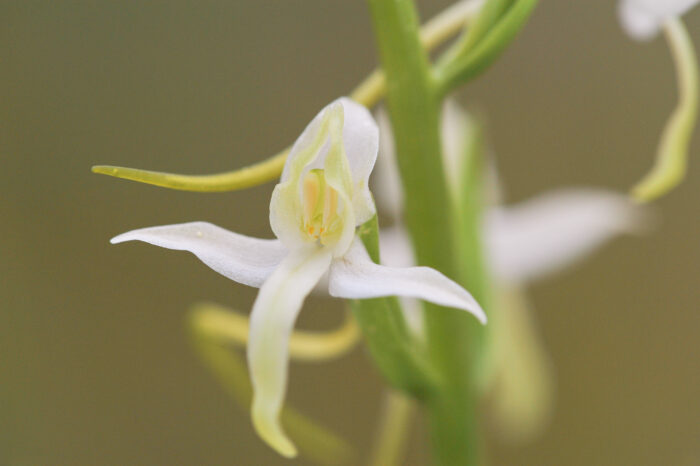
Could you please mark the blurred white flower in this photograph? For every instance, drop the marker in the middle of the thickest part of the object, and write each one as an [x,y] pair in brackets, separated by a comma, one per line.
[322,197]
[522,243]
[642,19]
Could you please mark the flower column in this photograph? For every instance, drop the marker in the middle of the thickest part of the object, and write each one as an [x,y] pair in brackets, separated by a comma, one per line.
[453,340]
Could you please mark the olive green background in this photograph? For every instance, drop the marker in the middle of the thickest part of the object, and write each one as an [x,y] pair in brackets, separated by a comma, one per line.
[95,366]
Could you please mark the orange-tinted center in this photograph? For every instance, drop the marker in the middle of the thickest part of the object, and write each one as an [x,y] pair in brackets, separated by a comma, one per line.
[321,221]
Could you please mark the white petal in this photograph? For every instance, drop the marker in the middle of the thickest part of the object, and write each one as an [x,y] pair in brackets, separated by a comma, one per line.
[361,141]
[360,138]
[300,155]
[355,276]
[395,247]
[551,231]
[338,175]
[310,149]
[642,19]
[456,131]
[386,181]
[243,259]
[271,322]
[412,310]
[396,251]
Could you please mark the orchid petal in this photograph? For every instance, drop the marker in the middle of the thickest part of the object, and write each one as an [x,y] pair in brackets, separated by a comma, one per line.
[642,19]
[386,182]
[456,131]
[360,138]
[243,259]
[395,247]
[285,205]
[547,233]
[396,251]
[355,276]
[272,319]
[361,143]
[339,177]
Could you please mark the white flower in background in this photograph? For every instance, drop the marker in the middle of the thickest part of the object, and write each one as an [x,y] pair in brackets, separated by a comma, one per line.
[322,197]
[540,236]
[642,19]
[524,242]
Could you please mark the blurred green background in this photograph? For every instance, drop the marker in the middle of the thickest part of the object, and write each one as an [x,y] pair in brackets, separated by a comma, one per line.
[95,365]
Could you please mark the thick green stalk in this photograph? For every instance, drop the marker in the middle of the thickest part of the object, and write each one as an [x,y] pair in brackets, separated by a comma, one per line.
[414,111]
[414,107]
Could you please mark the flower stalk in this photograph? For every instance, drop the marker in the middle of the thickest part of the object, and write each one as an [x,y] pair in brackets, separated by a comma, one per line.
[414,107]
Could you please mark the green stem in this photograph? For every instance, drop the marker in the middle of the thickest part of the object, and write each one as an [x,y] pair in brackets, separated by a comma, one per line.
[414,107]
[414,110]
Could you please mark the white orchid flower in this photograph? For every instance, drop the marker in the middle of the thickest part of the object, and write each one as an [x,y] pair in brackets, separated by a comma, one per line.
[642,19]
[525,242]
[323,195]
